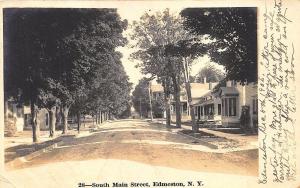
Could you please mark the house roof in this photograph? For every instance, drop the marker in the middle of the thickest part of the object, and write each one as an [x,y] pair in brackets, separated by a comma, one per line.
[229,91]
[202,101]
[197,89]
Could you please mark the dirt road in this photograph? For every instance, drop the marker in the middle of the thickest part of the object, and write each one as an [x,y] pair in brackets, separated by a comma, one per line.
[147,144]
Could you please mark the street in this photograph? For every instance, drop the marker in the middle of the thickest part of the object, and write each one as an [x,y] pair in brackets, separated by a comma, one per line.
[121,148]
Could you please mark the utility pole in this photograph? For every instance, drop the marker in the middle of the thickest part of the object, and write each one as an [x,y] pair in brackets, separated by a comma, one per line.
[150,100]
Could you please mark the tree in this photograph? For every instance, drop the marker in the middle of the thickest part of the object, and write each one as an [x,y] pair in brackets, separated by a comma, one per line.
[24,54]
[233,36]
[47,100]
[152,34]
[187,50]
[96,37]
[98,34]
[53,54]
[140,97]
[211,73]
[158,107]
[109,89]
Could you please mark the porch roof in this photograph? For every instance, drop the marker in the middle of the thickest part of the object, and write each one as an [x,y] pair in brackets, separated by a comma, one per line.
[202,103]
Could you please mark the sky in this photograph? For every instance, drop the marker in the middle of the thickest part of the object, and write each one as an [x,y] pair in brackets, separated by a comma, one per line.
[131,14]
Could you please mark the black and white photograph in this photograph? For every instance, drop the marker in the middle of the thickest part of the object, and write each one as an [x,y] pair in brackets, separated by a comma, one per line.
[124,97]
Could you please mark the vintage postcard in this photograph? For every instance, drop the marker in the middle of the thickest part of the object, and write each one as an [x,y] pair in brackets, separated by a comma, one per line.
[149,94]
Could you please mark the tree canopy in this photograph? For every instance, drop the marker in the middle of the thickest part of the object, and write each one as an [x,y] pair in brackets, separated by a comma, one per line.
[233,36]
[140,97]
[65,56]
[211,73]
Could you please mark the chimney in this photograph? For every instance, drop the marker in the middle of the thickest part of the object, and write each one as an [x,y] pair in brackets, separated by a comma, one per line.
[204,80]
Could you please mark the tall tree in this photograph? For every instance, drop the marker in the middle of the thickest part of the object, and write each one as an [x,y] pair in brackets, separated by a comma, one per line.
[152,34]
[211,73]
[187,50]
[57,53]
[140,97]
[233,36]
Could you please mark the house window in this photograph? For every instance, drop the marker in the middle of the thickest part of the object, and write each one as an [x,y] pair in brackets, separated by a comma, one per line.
[229,107]
[201,110]
[232,106]
[255,106]
[219,109]
[226,107]
[223,108]
[184,108]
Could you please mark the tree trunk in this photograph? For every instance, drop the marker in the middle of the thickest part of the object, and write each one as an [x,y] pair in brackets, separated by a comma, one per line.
[150,101]
[96,117]
[58,117]
[35,126]
[65,113]
[166,86]
[177,102]
[168,112]
[52,121]
[195,126]
[100,117]
[78,121]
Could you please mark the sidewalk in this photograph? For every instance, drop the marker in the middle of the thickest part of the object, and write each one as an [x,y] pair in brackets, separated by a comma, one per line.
[246,141]
[25,138]
[21,143]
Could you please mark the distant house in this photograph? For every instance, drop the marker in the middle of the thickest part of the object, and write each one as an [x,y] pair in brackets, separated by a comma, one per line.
[21,115]
[197,90]
[42,116]
[157,91]
[157,95]
[15,113]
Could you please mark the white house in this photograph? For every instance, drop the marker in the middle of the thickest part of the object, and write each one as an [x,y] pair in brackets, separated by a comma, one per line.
[236,98]
[223,107]
[21,115]
[197,91]
[209,108]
